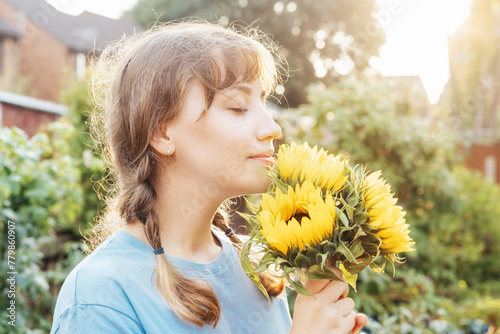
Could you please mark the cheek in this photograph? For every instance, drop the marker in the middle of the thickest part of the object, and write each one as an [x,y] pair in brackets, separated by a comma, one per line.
[228,137]
[216,146]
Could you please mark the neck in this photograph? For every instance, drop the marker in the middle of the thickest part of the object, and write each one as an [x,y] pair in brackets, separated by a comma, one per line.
[185,212]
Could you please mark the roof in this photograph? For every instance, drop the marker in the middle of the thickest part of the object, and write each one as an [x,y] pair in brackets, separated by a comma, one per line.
[6,29]
[32,103]
[80,33]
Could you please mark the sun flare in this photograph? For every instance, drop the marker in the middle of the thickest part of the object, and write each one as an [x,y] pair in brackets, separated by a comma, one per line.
[416,33]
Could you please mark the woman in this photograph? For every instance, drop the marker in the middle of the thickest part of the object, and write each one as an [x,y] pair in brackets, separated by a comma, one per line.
[184,128]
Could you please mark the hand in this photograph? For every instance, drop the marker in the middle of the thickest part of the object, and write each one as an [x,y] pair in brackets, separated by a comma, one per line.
[329,311]
[361,321]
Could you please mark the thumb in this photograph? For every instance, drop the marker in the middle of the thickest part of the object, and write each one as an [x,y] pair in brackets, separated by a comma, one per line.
[361,321]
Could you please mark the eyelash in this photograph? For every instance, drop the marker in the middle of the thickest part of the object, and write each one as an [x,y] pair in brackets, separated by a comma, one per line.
[239,110]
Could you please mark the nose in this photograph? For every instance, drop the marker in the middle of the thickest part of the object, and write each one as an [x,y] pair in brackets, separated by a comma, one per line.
[268,129]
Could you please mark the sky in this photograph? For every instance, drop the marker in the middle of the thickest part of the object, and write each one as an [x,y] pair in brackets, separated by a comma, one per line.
[415,30]
[416,42]
[109,8]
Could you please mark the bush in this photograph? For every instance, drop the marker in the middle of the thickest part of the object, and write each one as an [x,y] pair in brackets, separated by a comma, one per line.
[39,192]
[92,168]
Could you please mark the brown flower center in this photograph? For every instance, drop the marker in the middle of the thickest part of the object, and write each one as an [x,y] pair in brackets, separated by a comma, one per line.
[300,215]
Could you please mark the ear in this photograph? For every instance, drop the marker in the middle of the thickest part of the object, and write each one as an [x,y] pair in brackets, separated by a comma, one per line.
[161,141]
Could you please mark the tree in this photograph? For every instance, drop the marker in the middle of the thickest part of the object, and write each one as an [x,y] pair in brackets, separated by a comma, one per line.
[473,91]
[320,39]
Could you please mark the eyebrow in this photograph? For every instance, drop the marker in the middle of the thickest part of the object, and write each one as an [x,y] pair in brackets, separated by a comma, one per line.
[245,89]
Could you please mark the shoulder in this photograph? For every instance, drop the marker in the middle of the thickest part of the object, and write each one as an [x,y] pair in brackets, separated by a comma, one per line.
[95,318]
[105,279]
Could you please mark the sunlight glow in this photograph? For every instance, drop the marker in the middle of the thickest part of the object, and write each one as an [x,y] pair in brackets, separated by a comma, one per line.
[416,44]
[415,30]
[112,9]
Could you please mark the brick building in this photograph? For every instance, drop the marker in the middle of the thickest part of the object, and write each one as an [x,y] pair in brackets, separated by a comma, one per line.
[485,158]
[27,113]
[42,49]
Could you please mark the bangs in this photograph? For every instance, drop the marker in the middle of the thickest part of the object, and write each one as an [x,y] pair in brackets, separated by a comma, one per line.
[237,60]
[248,65]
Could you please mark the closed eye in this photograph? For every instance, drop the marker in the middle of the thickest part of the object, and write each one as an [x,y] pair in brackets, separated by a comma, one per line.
[239,110]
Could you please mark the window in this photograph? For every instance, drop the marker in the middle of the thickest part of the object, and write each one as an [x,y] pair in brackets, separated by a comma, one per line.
[81,64]
[490,168]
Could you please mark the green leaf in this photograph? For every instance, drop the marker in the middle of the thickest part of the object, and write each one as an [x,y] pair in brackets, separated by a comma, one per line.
[247,265]
[276,180]
[343,219]
[321,258]
[311,252]
[316,272]
[348,209]
[251,219]
[356,268]
[281,262]
[302,261]
[342,249]
[357,247]
[264,263]
[360,218]
[299,287]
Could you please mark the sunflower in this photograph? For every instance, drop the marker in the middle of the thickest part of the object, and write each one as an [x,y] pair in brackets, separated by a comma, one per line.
[321,212]
[299,163]
[385,216]
[298,218]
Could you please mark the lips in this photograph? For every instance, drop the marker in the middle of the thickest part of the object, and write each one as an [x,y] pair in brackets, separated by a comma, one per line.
[265,158]
[263,155]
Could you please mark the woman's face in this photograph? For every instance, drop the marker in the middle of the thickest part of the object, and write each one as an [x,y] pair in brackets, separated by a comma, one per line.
[223,147]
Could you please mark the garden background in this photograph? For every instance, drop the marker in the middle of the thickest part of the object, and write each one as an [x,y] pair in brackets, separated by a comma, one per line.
[450,284]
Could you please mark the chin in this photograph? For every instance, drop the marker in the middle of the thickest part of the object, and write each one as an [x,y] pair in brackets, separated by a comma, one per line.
[259,185]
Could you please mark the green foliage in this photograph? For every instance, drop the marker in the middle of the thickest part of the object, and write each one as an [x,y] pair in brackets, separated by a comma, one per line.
[304,29]
[365,119]
[91,167]
[453,212]
[465,247]
[47,188]
[39,191]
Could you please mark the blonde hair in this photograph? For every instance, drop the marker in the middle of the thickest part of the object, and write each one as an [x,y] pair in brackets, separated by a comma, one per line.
[139,84]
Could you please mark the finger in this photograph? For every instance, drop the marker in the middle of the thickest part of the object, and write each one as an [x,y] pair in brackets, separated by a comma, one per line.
[334,291]
[350,321]
[345,306]
[344,293]
[361,321]
[341,275]
[316,286]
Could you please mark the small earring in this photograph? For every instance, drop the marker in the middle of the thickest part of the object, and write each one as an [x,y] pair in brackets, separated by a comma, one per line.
[168,152]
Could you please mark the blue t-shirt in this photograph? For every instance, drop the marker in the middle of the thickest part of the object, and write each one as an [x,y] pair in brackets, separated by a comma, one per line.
[110,291]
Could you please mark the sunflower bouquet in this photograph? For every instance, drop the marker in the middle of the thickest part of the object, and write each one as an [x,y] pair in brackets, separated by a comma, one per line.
[319,213]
